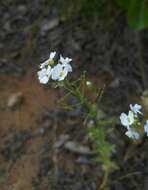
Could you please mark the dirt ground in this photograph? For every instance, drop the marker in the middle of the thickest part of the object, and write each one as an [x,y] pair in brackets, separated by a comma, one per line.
[31,123]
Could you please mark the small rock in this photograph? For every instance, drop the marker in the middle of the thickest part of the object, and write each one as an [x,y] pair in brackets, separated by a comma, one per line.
[7,27]
[22,9]
[115,83]
[77,148]
[38,132]
[49,25]
[60,142]
[15,100]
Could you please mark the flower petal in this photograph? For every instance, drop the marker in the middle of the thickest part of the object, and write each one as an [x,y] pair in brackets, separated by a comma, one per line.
[132,134]
[52,55]
[136,108]
[124,119]
[56,72]
[130,117]
[146,127]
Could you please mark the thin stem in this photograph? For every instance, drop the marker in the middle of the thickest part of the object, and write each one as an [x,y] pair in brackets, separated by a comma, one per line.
[104,182]
[100,133]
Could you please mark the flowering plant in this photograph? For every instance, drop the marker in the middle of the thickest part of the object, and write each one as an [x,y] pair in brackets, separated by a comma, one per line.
[56,72]
[132,122]
[97,129]
[97,132]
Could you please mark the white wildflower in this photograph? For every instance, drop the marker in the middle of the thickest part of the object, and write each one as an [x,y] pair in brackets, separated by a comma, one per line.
[146,127]
[49,61]
[136,109]
[44,75]
[65,63]
[127,120]
[59,73]
[132,134]
[52,55]
[65,60]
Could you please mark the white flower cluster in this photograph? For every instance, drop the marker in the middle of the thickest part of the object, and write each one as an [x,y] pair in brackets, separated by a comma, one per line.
[131,120]
[57,72]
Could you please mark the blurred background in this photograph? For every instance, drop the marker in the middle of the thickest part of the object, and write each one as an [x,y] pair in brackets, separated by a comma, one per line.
[108,40]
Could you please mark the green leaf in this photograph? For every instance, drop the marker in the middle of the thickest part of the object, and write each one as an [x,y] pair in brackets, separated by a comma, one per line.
[138,14]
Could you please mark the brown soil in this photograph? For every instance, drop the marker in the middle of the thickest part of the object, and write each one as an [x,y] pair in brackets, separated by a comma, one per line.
[35,98]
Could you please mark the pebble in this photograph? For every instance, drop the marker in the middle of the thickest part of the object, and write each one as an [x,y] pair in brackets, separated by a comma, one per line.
[15,100]
[22,9]
[60,142]
[77,148]
[7,27]
[48,25]
[115,83]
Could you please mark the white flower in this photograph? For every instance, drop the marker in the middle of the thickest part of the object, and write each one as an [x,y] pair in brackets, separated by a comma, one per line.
[146,127]
[127,120]
[44,75]
[65,60]
[52,55]
[132,134]
[136,108]
[65,63]
[49,60]
[43,78]
[59,73]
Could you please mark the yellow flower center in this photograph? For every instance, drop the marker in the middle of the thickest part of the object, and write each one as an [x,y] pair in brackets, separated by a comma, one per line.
[50,62]
[61,73]
[128,119]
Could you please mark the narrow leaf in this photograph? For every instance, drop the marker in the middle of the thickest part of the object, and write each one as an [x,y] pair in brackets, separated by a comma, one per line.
[138,14]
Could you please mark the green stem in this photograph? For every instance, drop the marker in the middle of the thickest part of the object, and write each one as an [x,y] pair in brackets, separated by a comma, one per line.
[100,132]
[104,181]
